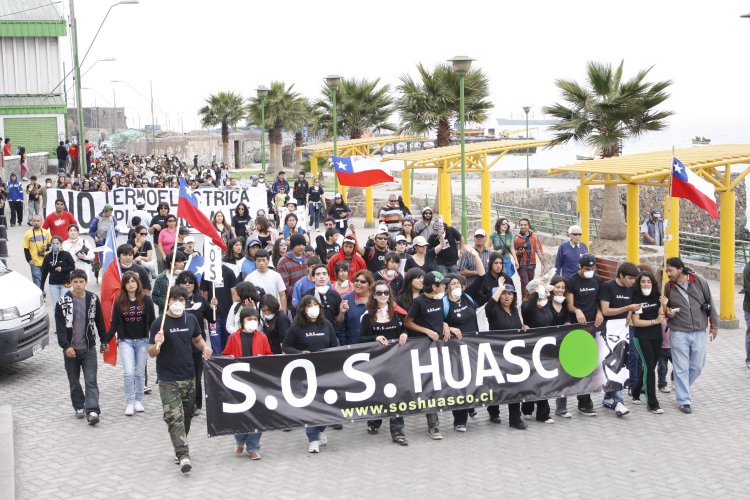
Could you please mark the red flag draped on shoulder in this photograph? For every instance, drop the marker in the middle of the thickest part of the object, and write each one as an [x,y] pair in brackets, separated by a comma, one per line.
[110,289]
[188,209]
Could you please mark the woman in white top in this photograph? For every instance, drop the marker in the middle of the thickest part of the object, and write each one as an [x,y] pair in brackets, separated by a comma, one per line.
[81,251]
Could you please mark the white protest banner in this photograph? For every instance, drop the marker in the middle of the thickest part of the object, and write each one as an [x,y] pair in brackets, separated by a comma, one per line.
[212,264]
[86,205]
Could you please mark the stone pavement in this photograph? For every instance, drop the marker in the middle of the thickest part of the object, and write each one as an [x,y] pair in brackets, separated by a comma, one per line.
[639,456]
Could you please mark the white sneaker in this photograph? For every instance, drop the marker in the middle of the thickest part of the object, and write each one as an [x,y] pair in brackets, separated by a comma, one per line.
[528,417]
[185,465]
[323,438]
[139,407]
[549,421]
[621,410]
[314,447]
[567,414]
[129,410]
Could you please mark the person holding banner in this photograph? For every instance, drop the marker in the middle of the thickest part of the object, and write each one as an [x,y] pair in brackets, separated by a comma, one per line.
[560,316]
[310,332]
[275,322]
[502,314]
[244,296]
[536,314]
[170,341]
[248,341]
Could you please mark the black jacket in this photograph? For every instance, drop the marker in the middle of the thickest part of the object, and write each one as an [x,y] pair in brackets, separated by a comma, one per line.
[481,288]
[64,320]
[64,261]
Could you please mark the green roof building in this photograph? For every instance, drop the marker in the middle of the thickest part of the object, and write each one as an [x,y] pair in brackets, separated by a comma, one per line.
[32,107]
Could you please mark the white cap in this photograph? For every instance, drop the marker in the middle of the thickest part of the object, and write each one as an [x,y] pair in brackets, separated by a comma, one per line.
[419,241]
[382,228]
[189,239]
[480,232]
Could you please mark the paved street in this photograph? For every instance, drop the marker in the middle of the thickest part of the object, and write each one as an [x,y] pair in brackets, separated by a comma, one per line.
[640,456]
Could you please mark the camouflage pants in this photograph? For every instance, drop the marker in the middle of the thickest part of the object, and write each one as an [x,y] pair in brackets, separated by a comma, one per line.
[178,403]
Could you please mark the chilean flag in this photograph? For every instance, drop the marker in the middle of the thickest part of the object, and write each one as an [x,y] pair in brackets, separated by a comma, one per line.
[187,208]
[358,171]
[689,185]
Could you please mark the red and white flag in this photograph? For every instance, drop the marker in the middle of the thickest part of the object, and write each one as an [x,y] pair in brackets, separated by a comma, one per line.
[689,185]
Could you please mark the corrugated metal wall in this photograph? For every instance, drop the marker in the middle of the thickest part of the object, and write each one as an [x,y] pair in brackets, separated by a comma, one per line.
[35,134]
[29,65]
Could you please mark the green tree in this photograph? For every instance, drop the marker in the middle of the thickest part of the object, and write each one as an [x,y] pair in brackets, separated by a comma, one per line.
[361,107]
[431,102]
[603,112]
[225,109]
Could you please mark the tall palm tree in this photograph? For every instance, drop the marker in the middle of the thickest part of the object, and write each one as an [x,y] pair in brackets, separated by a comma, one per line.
[431,102]
[602,113]
[311,118]
[361,107]
[225,109]
[284,109]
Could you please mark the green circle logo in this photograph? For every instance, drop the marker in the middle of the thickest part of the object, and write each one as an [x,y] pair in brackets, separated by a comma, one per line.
[579,353]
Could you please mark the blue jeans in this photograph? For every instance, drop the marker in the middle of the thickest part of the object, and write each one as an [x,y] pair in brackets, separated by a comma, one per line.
[688,359]
[634,361]
[447,269]
[218,338]
[614,395]
[747,337]
[36,275]
[251,441]
[313,433]
[314,208]
[134,354]
[56,291]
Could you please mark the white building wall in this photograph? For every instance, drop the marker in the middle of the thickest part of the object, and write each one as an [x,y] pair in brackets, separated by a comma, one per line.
[29,65]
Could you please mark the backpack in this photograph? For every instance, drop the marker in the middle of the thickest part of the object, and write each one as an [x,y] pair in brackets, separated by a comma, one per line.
[447,304]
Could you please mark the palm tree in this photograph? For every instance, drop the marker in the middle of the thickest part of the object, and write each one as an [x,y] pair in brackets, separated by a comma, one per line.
[311,119]
[361,107]
[225,109]
[284,109]
[602,113]
[431,102]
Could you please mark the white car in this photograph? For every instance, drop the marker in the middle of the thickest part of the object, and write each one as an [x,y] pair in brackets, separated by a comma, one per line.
[24,322]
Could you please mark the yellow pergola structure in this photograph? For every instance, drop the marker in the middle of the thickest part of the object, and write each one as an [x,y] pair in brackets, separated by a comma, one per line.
[447,161]
[369,146]
[712,163]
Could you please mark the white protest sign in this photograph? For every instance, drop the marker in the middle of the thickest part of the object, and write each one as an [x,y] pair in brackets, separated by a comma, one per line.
[212,264]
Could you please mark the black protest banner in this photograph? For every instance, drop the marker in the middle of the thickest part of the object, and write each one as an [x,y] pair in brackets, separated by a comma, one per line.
[85,205]
[369,381]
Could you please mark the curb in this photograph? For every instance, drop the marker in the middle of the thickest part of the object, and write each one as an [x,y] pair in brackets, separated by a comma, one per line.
[7,455]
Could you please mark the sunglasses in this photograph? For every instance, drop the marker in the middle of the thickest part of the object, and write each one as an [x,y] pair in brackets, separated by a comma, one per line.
[381,238]
[361,282]
[382,293]
[575,234]
[143,234]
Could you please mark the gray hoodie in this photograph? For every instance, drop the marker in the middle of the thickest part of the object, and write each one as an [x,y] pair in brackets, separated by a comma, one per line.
[690,318]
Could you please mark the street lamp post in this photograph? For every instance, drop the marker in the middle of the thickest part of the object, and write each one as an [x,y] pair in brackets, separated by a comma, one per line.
[526,110]
[333,82]
[262,92]
[461,65]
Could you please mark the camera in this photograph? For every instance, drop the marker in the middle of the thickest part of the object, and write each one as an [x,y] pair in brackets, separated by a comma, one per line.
[40,254]
[706,308]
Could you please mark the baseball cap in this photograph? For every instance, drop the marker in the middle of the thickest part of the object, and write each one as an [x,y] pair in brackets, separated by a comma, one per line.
[189,239]
[184,230]
[140,203]
[252,242]
[480,232]
[338,195]
[400,237]
[432,278]
[382,228]
[419,241]
[587,260]
[107,208]
[291,202]
[349,239]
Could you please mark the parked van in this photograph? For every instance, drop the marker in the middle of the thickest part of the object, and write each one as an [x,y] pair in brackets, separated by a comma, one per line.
[24,321]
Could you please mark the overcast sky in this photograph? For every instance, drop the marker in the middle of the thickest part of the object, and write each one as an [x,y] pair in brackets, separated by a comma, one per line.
[192,48]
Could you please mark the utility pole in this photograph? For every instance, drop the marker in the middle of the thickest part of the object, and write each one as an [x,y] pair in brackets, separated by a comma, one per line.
[79,101]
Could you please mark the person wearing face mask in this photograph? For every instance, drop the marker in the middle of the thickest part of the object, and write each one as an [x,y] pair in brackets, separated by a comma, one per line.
[536,314]
[647,336]
[244,296]
[248,341]
[582,297]
[425,318]
[560,316]
[384,323]
[502,314]
[57,265]
[326,295]
[307,283]
[459,313]
[171,344]
[275,323]
[390,274]
[310,332]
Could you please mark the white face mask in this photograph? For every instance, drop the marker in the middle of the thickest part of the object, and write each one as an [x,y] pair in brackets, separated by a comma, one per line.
[439,296]
[251,325]
[344,284]
[456,293]
[321,289]
[542,302]
[559,299]
[312,312]
[390,273]
[646,292]
[177,308]
[268,317]
[588,274]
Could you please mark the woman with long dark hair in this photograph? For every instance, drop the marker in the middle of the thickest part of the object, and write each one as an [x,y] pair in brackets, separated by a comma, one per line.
[537,314]
[221,224]
[502,242]
[240,221]
[264,232]
[57,265]
[235,256]
[132,316]
[558,306]
[280,248]
[412,287]
[310,332]
[384,322]
[167,237]
[481,289]
[275,322]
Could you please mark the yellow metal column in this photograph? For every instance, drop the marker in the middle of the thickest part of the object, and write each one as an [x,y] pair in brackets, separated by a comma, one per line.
[726,261]
[582,205]
[344,192]
[633,223]
[486,201]
[368,205]
[406,187]
[314,165]
[444,191]
[672,246]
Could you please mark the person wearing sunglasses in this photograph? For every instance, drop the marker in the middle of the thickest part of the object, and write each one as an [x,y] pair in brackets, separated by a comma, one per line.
[143,250]
[569,252]
[384,323]
[354,305]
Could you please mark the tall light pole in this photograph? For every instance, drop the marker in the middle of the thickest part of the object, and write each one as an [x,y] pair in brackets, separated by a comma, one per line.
[461,65]
[262,92]
[333,82]
[526,110]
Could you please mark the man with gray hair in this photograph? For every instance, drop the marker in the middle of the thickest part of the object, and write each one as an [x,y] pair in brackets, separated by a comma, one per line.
[569,252]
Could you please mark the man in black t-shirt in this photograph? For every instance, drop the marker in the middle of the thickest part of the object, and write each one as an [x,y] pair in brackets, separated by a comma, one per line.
[425,317]
[616,302]
[171,344]
[376,250]
[582,291]
[447,259]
